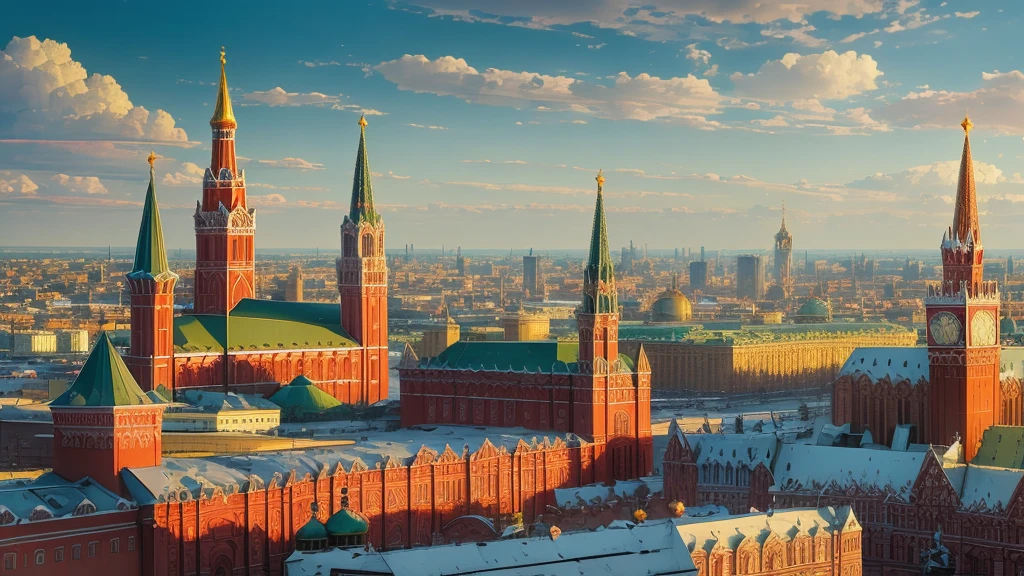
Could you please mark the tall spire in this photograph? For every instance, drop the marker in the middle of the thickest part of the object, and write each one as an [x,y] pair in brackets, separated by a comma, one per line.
[600,271]
[150,254]
[223,116]
[361,207]
[965,214]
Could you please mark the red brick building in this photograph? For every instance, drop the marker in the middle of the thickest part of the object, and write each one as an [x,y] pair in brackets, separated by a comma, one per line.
[265,344]
[956,393]
[588,389]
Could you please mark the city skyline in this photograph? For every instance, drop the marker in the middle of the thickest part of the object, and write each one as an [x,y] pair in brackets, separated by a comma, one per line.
[488,121]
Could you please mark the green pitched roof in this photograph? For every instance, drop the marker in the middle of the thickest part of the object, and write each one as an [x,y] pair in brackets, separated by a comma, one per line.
[599,264]
[302,398]
[150,254]
[103,381]
[1001,446]
[264,325]
[361,207]
[545,356]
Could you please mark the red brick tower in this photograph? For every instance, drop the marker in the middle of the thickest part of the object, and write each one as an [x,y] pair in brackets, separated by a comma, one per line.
[225,226]
[598,322]
[104,422]
[151,356]
[363,279]
[963,329]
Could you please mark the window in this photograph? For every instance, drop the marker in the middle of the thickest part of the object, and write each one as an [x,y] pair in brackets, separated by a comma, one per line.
[58,554]
[92,548]
[131,543]
[9,561]
[76,552]
[40,557]
[115,545]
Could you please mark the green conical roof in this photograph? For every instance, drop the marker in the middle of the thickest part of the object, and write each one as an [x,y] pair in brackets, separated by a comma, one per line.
[599,268]
[302,398]
[344,522]
[361,208]
[150,254]
[103,381]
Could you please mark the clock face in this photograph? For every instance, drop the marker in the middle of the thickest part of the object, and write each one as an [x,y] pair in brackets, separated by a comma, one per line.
[983,328]
[945,329]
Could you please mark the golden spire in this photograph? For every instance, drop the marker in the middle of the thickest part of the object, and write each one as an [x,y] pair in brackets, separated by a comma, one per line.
[965,209]
[151,160]
[600,180]
[362,121]
[967,125]
[223,116]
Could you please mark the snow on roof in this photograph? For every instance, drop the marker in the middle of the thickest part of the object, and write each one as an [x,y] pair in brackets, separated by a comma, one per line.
[988,489]
[596,493]
[185,478]
[807,467]
[606,552]
[50,496]
[897,363]
[705,534]
[217,401]
[739,449]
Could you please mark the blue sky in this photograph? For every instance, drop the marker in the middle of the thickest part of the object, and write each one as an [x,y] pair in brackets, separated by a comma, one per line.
[488,119]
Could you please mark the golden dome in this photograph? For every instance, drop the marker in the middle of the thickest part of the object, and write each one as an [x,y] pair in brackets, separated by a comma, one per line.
[671,306]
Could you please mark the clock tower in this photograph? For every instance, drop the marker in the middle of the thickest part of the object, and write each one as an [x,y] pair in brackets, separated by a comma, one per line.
[963,334]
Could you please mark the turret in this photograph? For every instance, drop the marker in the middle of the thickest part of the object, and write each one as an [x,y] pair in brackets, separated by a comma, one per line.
[599,316]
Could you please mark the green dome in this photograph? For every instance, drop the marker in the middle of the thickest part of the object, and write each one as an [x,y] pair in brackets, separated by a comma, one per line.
[1007,325]
[775,293]
[347,523]
[671,306]
[301,399]
[814,310]
[313,530]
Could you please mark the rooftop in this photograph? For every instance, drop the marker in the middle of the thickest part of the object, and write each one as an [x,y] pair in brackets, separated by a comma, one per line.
[50,496]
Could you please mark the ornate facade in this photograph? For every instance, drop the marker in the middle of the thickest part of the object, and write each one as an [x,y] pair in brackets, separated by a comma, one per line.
[233,342]
[588,389]
[783,254]
[962,395]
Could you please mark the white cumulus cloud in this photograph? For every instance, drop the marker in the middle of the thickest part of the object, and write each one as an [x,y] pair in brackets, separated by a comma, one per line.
[11,183]
[80,184]
[996,105]
[280,97]
[825,76]
[292,163]
[46,94]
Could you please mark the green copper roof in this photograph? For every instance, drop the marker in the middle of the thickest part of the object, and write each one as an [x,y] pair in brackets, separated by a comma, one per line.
[313,530]
[599,270]
[103,381]
[344,522]
[814,307]
[150,255]
[264,325]
[543,356]
[301,399]
[1001,446]
[361,207]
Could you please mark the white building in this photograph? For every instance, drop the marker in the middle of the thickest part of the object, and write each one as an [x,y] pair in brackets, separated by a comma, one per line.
[33,342]
[204,411]
[73,341]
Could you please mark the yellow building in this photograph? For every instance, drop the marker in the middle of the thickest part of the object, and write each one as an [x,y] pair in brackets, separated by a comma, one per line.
[523,327]
[437,339]
[770,358]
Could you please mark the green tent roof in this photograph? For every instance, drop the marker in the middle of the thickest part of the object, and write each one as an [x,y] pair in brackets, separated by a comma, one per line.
[264,325]
[361,207]
[600,269]
[301,398]
[150,254]
[344,522]
[103,381]
[545,356]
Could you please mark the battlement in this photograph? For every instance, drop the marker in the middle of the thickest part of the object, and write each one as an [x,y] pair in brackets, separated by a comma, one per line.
[951,293]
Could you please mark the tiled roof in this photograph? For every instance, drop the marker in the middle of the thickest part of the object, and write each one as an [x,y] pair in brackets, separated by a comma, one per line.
[547,356]
[103,381]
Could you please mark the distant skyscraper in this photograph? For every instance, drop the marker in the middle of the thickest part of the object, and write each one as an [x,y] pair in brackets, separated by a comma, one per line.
[698,275]
[532,282]
[1009,265]
[750,277]
[293,288]
[701,253]
[460,262]
[677,255]
[783,252]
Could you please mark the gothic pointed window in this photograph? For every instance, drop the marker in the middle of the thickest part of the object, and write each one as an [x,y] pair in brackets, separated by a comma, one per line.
[367,245]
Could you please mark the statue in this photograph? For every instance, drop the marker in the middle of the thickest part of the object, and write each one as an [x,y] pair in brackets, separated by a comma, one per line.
[937,560]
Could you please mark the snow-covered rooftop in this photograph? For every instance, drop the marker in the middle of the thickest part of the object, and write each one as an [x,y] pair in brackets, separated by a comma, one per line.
[896,363]
[806,467]
[184,478]
[984,488]
[740,449]
[610,552]
[704,534]
[50,496]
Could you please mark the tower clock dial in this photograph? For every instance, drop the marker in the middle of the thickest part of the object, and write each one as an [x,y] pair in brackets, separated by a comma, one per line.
[983,328]
[945,329]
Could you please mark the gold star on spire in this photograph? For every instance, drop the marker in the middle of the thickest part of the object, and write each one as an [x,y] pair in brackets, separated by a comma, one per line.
[223,60]
[967,125]
[362,121]
[152,159]
[600,179]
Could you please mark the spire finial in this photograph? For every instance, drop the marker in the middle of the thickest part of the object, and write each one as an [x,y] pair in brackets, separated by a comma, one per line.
[600,180]
[967,125]
[151,160]
[362,121]
[223,60]
[223,115]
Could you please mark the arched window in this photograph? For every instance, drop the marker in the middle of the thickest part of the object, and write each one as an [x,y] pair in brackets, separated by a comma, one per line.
[40,557]
[367,245]
[621,423]
[349,248]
